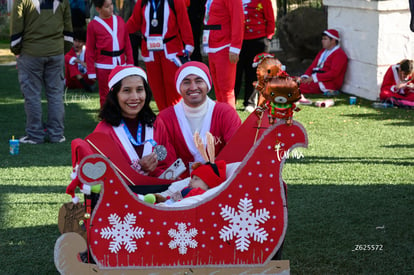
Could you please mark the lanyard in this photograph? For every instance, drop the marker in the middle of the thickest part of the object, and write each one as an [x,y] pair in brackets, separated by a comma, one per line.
[155,8]
[208,6]
[138,141]
[323,58]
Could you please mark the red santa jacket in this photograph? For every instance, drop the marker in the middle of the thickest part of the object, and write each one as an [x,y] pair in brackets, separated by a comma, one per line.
[224,22]
[259,19]
[71,67]
[224,123]
[176,29]
[104,40]
[160,136]
[388,89]
[332,72]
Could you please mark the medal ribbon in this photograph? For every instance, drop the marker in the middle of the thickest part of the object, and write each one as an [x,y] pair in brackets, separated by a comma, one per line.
[138,141]
[155,8]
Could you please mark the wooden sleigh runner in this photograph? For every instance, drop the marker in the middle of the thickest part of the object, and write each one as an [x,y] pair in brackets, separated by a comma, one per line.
[236,229]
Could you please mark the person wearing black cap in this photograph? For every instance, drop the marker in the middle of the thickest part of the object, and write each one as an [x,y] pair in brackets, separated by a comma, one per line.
[327,71]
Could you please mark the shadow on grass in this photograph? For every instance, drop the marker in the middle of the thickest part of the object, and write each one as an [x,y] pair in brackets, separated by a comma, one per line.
[327,222]
[361,160]
[325,225]
[28,250]
[19,189]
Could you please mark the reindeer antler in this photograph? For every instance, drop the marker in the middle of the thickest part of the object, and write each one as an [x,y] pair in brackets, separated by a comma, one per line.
[200,146]
[210,147]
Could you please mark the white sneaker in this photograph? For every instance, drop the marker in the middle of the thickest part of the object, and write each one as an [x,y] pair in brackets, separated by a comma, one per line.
[249,109]
[62,139]
[27,140]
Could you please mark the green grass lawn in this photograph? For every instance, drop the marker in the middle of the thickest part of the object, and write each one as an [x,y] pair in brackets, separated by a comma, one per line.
[354,186]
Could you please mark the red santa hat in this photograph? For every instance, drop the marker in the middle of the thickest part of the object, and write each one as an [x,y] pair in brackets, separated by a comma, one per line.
[120,72]
[332,33]
[213,174]
[193,67]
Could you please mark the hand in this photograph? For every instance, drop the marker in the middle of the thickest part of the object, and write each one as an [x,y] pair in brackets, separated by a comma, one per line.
[234,57]
[149,162]
[306,80]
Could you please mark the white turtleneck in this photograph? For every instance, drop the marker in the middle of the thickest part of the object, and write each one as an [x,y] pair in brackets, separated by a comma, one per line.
[195,116]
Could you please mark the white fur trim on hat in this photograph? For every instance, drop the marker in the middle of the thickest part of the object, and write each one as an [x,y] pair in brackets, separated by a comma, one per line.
[332,35]
[127,71]
[191,70]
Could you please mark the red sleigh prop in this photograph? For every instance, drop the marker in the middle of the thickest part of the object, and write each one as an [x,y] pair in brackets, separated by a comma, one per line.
[242,225]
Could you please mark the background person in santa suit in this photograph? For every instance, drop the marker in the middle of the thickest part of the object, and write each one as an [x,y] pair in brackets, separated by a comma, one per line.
[197,112]
[259,27]
[165,27]
[107,45]
[398,81]
[327,71]
[76,76]
[222,40]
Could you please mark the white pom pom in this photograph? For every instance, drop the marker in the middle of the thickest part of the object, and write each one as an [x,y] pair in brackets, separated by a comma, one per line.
[75,200]
[74,172]
[86,189]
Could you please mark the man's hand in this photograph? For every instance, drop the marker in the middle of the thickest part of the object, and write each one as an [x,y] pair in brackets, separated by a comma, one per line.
[234,57]
[305,80]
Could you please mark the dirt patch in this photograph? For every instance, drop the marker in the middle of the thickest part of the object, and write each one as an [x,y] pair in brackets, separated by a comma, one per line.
[6,56]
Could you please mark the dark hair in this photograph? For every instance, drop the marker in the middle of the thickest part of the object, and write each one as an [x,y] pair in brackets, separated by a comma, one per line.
[80,35]
[99,3]
[406,66]
[111,111]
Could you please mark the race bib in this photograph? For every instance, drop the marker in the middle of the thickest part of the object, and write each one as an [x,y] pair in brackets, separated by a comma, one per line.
[154,43]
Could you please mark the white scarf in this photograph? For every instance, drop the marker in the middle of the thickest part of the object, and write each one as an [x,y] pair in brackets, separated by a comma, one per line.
[123,138]
[186,129]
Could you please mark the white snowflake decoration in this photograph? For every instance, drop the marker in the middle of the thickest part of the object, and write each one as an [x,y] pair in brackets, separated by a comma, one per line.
[122,233]
[244,224]
[182,238]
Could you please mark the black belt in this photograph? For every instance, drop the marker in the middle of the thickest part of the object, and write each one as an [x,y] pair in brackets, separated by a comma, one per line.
[212,27]
[113,53]
[317,71]
[165,40]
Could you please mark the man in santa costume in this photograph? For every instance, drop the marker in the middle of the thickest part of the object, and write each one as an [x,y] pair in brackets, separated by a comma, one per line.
[222,40]
[196,112]
[165,28]
[327,71]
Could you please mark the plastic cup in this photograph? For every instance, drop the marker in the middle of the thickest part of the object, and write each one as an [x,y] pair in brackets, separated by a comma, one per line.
[14,146]
[352,100]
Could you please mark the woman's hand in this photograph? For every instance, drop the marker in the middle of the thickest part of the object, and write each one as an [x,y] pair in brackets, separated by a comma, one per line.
[149,162]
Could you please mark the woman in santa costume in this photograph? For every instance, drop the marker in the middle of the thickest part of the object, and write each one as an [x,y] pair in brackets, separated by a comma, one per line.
[398,82]
[131,125]
[222,40]
[166,28]
[196,112]
[107,45]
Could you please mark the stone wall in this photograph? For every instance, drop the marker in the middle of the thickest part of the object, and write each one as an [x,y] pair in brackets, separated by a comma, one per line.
[375,35]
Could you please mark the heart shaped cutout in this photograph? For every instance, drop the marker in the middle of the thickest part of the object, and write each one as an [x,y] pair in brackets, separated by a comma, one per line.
[94,171]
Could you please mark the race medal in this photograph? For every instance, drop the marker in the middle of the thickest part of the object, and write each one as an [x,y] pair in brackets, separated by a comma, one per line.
[154,22]
[161,152]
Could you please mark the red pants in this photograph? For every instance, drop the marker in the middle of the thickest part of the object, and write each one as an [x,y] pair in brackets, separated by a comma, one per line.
[387,94]
[310,88]
[223,74]
[102,75]
[161,78]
